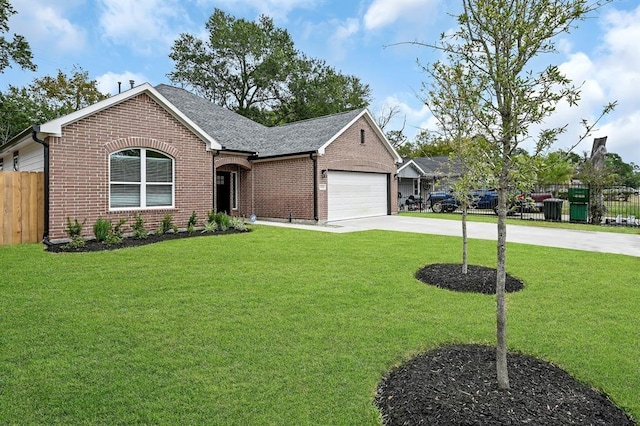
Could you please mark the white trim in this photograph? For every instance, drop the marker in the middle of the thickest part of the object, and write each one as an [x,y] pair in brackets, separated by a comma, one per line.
[234,191]
[143,182]
[365,113]
[54,127]
[413,163]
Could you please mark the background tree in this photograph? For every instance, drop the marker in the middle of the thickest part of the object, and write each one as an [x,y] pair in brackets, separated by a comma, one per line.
[555,167]
[16,50]
[315,89]
[44,99]
[427,143]
[396,137]
[495,46]
[253,68]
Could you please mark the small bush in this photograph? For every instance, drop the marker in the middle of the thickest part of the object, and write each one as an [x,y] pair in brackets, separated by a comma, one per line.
[210,227]
[193,220]
[211,216]
[74,229]
[101,229]
[113,239]
[139,231]
[223,220]
[238,224]
[167,224]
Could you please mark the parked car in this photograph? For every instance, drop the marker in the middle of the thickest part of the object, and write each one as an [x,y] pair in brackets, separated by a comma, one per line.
[446,202]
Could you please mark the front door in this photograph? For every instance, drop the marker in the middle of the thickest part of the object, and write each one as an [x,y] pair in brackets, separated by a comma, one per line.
[223,192]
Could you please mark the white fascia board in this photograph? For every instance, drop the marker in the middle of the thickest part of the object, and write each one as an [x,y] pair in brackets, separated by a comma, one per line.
[54,127]
[414,165]
[365,113]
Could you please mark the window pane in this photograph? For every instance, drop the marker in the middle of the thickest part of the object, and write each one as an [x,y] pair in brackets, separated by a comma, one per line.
[159,167]
[125,166]
[125,195]
[159,195]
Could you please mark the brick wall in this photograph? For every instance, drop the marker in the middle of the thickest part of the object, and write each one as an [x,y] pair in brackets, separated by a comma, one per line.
[284,188]
[79,165]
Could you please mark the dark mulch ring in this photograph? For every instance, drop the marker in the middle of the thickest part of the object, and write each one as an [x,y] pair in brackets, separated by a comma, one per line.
[478,279]
[93,245]
[456,385]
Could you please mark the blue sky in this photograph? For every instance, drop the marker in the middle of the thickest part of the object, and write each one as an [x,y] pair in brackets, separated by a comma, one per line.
[122,40]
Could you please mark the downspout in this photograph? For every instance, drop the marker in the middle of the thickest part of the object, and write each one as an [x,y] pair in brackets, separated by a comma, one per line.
[45,144]
[314,158]
[214,189]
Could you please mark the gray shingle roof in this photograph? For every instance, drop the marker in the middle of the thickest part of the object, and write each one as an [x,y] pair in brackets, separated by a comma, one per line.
[436,166]
[235,132]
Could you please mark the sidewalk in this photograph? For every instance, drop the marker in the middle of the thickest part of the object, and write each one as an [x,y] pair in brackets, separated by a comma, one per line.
[603,242]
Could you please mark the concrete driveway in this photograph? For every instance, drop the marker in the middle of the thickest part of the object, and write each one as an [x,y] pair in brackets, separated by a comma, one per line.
[603,242]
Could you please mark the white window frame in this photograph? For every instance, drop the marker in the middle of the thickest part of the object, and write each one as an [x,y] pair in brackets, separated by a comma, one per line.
[143,182]
[234,191]
[16,161]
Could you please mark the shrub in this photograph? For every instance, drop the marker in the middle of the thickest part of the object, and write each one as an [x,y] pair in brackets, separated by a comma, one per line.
[210,227]
[167,224]
[223,220]
[101,229]
[211,216]
[74,231]
[117,229]
[139,232]
[238,224]
[193,220]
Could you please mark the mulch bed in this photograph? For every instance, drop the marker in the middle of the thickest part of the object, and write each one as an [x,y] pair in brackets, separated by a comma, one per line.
[93,245]
[478,279]
[457,385]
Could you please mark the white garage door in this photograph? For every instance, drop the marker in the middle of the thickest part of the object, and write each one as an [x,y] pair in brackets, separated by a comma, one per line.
[352,195]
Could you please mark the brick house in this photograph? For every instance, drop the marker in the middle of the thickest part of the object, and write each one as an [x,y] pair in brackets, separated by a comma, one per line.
[162,150]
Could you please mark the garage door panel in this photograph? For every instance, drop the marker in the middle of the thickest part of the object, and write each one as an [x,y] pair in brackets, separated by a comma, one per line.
[354,194]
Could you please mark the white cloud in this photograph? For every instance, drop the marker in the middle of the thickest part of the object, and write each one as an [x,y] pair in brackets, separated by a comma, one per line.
[382,13]
[108,82]
[141,24]
[342,37]
[276,9]
[44,24]
[609,74]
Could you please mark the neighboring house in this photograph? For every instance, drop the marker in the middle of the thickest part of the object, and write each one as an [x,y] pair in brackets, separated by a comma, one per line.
[162,150]
[422,175]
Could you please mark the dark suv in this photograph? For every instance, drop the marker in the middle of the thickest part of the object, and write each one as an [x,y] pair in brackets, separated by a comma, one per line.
[441,201]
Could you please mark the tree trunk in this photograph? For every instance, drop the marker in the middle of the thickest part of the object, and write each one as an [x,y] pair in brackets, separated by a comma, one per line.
[501,311]
[464,239]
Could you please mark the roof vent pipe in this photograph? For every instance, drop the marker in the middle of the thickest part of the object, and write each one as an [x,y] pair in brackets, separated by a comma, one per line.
[131,83]
[119,87]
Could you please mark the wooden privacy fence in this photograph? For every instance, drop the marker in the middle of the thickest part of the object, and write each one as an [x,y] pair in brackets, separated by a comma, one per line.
[22,207]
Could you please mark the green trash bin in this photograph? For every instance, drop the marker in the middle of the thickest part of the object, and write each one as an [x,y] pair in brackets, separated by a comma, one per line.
[578,195]
[578,212]
[552,208]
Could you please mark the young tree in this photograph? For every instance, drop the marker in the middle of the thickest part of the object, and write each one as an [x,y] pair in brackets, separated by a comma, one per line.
[447,101]
[16,50]
[494,48]
[253,68]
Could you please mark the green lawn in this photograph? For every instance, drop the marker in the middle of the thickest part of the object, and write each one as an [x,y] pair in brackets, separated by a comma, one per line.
[285,326]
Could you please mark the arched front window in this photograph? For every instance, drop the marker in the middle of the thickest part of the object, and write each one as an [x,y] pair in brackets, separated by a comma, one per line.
[140,178]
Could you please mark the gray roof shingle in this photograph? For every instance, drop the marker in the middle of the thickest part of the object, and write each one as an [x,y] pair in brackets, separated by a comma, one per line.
[235,132]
